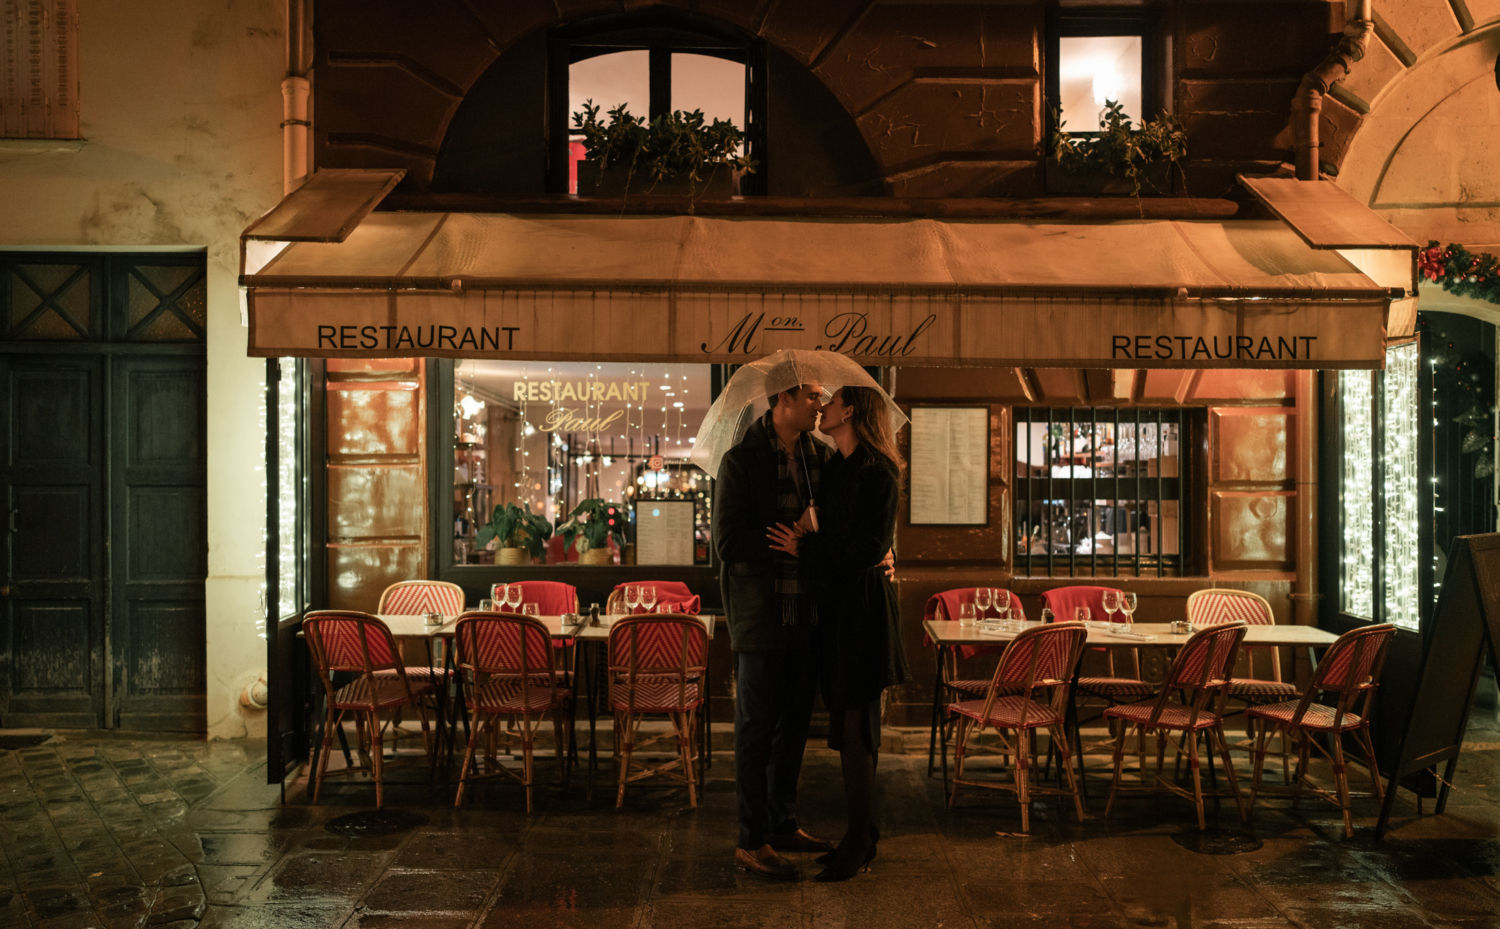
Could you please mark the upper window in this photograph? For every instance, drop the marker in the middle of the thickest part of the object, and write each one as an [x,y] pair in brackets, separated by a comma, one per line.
[1101,57]
[655,63]
[39,93]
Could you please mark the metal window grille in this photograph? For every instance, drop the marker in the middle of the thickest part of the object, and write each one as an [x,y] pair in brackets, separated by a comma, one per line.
[1101,492]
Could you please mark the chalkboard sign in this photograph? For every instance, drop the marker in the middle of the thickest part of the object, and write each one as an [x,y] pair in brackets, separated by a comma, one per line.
[1466,623]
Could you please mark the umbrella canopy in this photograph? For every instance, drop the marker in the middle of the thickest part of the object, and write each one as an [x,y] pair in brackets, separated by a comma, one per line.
[731,414]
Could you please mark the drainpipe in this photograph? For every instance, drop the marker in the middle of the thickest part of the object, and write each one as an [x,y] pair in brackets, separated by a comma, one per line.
[1305,594]
[1308,101]
[295,91]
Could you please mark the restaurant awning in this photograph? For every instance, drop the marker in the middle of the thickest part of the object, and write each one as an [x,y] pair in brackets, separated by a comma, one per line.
[1125,294]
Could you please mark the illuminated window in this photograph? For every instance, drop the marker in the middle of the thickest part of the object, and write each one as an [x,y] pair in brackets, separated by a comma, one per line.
[1099,58]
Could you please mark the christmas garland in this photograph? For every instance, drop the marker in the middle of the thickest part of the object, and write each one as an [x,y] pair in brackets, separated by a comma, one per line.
[1460,271]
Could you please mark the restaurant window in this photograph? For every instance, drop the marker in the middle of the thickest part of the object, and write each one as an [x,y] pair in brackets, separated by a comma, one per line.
[1103,492]
[655,62]
[1098,57]
[548,436]
[1380,506]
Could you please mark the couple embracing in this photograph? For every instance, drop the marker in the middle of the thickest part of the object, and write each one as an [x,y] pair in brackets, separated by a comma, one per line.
[803,534]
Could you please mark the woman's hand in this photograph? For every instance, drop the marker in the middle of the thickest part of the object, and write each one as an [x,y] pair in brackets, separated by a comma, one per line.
[783,539]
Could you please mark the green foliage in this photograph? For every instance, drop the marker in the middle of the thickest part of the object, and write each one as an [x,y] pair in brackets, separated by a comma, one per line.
[1119,149]
[593,521]
[679,145]
[1463,378]
[516,527]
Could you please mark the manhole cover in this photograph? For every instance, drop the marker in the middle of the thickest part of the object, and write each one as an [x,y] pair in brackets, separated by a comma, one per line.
[13,742]
[1217,842]
[376,822]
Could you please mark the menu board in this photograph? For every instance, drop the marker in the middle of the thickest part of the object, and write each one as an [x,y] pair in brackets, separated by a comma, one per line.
[664,532]
[950,465]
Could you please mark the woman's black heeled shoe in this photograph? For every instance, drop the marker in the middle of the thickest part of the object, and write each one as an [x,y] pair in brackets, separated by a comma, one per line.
[826,858]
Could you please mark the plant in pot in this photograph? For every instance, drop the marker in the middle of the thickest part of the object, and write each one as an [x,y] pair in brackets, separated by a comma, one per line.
[589,528]
[673,153]
[517,534]
[1138,157]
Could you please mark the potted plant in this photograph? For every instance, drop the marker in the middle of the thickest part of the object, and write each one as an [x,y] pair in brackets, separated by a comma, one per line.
[517,533]
[589,528]
[1136,157]
[672,154]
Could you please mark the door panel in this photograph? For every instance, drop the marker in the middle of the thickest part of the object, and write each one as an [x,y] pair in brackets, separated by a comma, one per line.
[160,530]
[52,617]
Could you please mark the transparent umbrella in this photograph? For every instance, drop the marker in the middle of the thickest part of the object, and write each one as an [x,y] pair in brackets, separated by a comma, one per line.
[731,414]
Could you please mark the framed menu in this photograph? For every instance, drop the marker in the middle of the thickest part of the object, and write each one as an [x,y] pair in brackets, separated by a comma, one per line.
[950,451]
[664,532]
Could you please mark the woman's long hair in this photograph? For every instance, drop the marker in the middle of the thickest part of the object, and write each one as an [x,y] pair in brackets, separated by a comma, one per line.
[872,423]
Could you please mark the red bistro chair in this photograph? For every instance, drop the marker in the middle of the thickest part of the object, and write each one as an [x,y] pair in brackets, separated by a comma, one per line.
[1063,602]
[507,660]
[553,598]
[943,607]
[1201,673]
[656,667]
[418,598]
[1213,607]
[1350,673]
[358,643]
[1028,691]
[673,592]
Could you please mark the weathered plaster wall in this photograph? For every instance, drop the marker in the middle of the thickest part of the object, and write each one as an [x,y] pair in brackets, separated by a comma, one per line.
[181,106]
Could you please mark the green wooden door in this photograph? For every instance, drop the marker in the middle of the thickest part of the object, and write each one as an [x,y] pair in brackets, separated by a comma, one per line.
[103,473]
[52,643]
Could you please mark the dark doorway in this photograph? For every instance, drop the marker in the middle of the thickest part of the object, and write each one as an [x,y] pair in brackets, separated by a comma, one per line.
[103,474]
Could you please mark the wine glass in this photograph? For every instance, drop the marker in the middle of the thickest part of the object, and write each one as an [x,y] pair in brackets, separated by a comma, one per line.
[998,597]
[531,609]
[648,598]
[497,595]
[512,596]
[632,596]
[966,613]
[981,600]
[1111,600]
[1081,614]
[1128,604]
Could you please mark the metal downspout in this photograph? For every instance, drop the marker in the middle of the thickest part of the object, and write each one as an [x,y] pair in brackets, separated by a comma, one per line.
[1308,101]
[296,90]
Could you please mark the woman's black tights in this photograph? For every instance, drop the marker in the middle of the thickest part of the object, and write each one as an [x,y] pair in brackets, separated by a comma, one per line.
[858,761]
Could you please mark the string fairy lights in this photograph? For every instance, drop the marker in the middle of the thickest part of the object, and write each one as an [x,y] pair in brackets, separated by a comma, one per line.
[1357,495]
[1401,502]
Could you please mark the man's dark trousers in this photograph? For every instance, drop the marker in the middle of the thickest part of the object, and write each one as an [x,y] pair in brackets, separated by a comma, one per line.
[772,712]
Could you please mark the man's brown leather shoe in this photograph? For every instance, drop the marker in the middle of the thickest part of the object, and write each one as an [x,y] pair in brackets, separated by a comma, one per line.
[769,865]
[800,841]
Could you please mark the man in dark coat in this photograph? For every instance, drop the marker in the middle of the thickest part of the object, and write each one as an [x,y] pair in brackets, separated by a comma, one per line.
[771,473]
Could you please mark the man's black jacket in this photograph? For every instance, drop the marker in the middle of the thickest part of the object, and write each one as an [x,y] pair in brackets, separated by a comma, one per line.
[744,508]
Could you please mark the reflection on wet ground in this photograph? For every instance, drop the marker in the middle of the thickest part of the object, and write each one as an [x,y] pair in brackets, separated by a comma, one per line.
[112,833]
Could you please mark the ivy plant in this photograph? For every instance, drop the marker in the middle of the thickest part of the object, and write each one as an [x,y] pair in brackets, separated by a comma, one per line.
[1120,148]
[670,146]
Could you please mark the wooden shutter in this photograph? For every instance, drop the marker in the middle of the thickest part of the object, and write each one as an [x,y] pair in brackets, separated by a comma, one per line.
[39,90]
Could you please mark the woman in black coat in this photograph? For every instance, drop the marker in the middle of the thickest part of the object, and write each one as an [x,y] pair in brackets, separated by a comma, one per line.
[858,632]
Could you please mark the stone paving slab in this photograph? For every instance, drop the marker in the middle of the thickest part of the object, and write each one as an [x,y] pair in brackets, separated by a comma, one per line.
[185,835]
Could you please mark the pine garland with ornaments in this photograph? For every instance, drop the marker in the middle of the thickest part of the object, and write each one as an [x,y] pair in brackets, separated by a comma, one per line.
[1461,271]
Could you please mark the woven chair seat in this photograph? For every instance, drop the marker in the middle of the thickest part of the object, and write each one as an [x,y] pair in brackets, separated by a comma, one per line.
[508,696]
[655,694]
[1173,715]
[1317,717]
[1118,688]
[980,688]
[386,692]
[1006,713]
[417,673]
[1253,687]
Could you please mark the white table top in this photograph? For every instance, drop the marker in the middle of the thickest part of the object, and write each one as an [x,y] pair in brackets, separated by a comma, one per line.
[943,632]
[415,626]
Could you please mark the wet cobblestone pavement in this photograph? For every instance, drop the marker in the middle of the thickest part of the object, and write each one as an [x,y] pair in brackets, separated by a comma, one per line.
[110,833]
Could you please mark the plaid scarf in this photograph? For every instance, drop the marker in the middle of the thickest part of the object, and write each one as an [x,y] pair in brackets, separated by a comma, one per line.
[796,605]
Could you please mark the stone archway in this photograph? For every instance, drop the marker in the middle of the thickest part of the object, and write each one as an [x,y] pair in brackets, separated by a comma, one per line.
[1424,155]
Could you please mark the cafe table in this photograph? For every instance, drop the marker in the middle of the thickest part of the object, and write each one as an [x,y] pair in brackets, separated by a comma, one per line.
[415,626]
[946,634]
